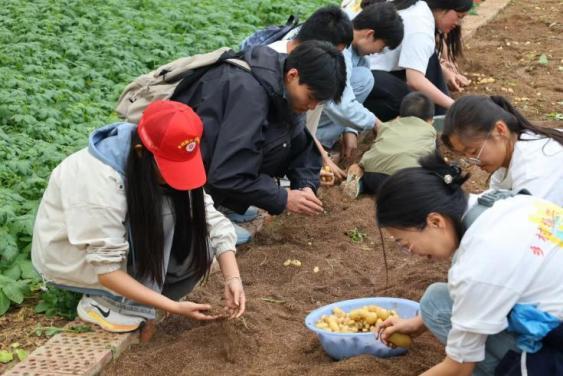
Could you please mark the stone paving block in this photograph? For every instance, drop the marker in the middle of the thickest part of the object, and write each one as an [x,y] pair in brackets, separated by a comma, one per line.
[63,365]
[96,340]
[82,354]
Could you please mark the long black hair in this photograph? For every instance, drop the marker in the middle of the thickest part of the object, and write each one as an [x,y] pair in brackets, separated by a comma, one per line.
[452,40]
[145,195]
[407,197]
[473,115]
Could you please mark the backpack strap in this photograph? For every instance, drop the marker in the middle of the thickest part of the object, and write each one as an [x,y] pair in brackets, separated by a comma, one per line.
[486,201]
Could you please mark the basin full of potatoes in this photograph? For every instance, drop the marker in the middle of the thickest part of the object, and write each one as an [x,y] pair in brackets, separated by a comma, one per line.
[345,328]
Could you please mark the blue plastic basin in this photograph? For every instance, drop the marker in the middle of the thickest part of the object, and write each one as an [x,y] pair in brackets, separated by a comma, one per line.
[345,345]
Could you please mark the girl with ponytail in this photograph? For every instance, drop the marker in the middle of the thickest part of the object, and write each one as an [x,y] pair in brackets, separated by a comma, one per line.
[490,132]
[501,270]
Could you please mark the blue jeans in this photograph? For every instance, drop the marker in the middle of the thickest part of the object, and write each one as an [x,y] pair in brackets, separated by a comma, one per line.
[328,132]
[436,311]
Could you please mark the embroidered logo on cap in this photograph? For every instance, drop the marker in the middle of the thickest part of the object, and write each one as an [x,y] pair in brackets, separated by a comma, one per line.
[189,145]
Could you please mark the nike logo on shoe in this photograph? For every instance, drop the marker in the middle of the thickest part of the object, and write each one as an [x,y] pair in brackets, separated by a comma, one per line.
[104,313]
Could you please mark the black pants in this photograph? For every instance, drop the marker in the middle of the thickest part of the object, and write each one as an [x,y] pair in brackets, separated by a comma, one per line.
[390,88]
[372,181]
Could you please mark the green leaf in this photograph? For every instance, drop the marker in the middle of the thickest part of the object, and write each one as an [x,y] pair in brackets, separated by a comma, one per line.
[21,354]
[41,307]
[52,330]
[13,292]
[543,59]
[13,272]
[28,272]
[6,356]
[4,303]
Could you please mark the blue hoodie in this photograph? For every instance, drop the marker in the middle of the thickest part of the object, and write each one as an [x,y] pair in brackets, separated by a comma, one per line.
[111,143]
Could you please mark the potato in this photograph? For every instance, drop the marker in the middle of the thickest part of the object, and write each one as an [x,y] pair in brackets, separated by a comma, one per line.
[358,314]
[383,314]
[400,340]
[338,312]
[371,318]
[332,324]
[359,320]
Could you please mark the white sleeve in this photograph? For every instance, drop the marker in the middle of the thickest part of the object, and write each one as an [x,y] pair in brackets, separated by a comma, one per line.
[416,50]
[530,175]
[465,347]
[479,309]
[94,211]
[100,230]
[221,231]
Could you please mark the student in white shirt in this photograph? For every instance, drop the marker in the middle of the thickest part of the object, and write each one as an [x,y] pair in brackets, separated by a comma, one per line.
[490,132]
[509,259]
[431,27]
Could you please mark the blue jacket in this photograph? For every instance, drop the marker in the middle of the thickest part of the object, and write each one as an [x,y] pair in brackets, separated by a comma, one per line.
[350,112]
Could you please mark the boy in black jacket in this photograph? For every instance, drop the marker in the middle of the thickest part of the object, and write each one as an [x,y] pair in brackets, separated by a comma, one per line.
[254,128]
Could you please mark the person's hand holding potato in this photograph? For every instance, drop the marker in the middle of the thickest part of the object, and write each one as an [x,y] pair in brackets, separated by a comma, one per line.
[396,332]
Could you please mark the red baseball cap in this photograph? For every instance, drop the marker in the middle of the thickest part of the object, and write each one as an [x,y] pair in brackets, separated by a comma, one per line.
[172,131]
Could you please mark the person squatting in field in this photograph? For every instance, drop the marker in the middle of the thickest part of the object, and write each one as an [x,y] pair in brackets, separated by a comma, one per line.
[490,133]
[254,127]
[432,33]
[399,144]
[127,223]
[505,280]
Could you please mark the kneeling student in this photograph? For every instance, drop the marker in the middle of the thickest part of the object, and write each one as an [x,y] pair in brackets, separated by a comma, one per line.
[399,144]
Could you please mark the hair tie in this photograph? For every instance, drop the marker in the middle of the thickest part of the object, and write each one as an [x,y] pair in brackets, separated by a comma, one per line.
[451,174]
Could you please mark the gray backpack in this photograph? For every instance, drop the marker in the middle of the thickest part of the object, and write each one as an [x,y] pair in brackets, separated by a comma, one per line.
[486,201]
[161,82]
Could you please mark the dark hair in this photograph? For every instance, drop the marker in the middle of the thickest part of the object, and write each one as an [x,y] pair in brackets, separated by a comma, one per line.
[145,197]
[473,115]
[407,197]
[452,40]
[367,3]
[321,67]
[329,24]
[417,104]
[384,20]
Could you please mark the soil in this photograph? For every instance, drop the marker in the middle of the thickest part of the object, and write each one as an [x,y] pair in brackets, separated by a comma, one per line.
[18,325]
[271,339]
[508,49]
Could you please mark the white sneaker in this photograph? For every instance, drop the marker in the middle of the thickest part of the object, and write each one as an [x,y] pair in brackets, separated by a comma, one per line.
[91,310]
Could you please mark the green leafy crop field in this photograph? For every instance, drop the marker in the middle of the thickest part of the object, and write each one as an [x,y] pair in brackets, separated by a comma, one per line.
[62,66]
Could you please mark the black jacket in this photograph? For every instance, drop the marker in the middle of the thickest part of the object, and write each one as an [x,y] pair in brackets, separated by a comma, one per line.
[250,136]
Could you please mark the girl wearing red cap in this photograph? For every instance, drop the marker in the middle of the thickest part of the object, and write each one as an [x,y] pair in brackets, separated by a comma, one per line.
[127,223]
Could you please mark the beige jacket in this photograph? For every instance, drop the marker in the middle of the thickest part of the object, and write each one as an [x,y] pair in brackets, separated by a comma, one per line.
[80,228]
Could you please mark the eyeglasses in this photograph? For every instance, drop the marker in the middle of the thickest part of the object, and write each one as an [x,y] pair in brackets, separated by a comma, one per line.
[465,162]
